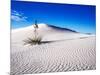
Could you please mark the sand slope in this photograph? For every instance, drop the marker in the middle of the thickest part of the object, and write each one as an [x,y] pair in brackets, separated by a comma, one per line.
[69,51]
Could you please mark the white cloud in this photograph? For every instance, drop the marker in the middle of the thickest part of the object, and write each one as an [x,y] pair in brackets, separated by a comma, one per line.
[17,16]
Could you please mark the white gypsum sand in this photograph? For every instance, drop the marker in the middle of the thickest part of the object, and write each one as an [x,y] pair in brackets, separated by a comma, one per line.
[65,50]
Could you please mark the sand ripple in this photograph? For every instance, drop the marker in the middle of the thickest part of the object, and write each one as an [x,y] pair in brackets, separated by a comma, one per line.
[68,55]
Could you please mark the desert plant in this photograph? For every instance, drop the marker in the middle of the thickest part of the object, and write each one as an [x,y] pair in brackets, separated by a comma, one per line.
[33,41]
[35,28]
[36,39]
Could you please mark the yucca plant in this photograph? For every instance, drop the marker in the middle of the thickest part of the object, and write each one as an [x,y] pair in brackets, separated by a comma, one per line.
[35,28]
[36,39]
[33,41]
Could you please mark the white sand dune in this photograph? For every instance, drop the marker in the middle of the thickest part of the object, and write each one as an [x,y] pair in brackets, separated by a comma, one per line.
[68,51]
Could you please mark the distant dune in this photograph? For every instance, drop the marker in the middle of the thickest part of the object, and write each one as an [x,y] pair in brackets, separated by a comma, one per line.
[68,50]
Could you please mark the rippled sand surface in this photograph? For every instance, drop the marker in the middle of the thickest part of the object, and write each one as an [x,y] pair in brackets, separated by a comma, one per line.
[70,52]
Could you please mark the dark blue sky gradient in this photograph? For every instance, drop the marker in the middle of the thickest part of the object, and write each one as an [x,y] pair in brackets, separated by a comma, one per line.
[77,17]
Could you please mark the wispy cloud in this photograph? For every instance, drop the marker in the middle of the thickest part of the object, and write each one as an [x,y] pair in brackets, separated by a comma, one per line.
[18,16]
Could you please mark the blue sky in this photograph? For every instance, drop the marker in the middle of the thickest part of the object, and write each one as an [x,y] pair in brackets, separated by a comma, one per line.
[77,17]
